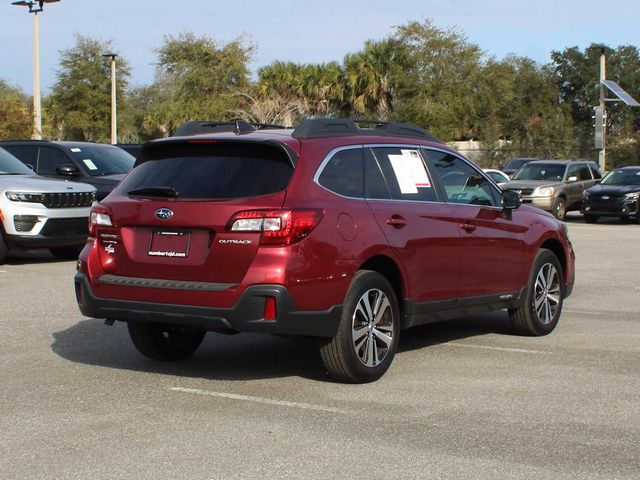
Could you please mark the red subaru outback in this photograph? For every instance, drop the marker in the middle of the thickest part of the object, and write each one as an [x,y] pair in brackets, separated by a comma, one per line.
[333,231]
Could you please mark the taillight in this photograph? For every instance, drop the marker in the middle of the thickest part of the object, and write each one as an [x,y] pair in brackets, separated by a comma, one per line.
[278,227]
[99,216]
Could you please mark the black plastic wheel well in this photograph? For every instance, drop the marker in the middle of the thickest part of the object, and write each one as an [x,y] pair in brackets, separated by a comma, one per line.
[388,268]
[556,247]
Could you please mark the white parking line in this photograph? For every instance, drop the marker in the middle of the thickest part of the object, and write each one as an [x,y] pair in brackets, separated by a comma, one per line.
[504,349]
[267,401]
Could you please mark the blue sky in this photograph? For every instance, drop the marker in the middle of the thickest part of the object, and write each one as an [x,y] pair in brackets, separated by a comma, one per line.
[305,31]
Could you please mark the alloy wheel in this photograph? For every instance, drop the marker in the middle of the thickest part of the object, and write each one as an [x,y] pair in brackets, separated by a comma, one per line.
[546,297]
[372,327]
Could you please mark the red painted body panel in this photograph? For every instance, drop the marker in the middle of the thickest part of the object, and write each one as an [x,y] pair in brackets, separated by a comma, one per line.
[443,251]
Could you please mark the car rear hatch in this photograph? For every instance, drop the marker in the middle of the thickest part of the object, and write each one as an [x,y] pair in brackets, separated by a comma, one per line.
[170,217]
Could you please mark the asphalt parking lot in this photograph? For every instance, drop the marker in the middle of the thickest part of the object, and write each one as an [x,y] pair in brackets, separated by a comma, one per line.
[462,400]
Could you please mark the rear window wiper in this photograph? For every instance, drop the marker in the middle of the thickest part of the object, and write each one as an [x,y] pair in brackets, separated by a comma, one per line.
[167,192]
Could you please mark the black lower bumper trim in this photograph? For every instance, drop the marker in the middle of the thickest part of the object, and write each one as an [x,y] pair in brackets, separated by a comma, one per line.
[245,316]
[41,241]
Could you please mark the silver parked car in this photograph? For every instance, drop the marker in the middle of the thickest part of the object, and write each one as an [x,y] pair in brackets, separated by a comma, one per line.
[554,185]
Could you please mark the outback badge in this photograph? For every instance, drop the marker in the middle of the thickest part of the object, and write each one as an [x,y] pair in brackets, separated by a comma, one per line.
[164,214]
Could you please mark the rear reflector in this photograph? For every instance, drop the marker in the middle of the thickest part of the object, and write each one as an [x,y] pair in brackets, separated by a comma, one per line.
[269,308]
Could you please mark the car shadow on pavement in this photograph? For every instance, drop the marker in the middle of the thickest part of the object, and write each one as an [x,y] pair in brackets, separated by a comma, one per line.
[33,257]
[220,357]
[444,332]
[244,356]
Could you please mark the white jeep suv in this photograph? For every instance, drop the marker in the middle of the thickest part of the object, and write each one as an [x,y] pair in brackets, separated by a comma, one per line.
[40,213]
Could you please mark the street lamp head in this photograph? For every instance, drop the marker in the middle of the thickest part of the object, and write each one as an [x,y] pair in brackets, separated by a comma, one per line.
[112,56]
[34,6]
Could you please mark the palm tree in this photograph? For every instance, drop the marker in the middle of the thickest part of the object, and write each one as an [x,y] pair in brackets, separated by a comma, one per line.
[370,77]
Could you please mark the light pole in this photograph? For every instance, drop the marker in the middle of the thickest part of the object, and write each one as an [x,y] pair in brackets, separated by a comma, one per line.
[114,107]
[35,8]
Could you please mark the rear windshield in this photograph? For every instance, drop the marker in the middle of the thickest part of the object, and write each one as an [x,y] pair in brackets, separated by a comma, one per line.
[216,171]
[103,159]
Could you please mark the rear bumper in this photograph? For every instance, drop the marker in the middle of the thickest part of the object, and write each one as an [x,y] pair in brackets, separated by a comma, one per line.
[245,316]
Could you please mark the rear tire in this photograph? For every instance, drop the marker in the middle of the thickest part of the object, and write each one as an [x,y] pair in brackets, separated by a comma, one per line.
[543,300]
[368,334]
[590,218]
[67,253]
[165,342]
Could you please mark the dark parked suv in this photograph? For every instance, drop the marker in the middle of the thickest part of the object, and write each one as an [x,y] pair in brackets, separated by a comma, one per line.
[102,166]
[330,230]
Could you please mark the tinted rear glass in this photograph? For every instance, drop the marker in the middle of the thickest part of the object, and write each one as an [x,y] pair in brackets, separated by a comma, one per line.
[216,171]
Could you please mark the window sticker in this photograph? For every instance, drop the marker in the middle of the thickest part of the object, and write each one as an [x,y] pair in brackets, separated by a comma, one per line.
[90,165]
[410,171]
[75,150]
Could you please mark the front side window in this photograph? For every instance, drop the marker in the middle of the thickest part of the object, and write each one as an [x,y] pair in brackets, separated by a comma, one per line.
[405,173]
[343,173]
[10,165]
[49,159]
[461,182]
[102,159]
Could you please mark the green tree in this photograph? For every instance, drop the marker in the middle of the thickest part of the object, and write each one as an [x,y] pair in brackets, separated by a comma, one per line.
[316,90]
[80,100]
[372,75]
[438,86]
[15,113]
[197,79]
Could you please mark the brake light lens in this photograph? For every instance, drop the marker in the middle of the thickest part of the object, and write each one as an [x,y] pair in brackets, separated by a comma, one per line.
[99,216]
[278,227]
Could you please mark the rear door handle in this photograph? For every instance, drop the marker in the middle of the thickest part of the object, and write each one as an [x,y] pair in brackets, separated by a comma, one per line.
[396,221]
[467,227]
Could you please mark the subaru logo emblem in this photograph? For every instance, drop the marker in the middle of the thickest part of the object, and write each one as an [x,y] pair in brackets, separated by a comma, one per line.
[164,214]
[605,197]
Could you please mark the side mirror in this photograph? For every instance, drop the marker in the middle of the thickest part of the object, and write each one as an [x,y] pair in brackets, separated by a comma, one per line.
[572,179]
[511,199]
[67,169]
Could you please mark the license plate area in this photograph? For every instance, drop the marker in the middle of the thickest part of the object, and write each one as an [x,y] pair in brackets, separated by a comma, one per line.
[169,244]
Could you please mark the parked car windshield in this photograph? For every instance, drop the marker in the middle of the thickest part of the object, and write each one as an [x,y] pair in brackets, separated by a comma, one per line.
[10,165]
[540,171]
[103,159]
[622,177]
[516,163]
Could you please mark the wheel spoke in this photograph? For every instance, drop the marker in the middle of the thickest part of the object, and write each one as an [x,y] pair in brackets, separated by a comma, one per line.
[371,353]
[382,307]
[541,281]
[386,339]
[366,306]
[358,333]
[554,298]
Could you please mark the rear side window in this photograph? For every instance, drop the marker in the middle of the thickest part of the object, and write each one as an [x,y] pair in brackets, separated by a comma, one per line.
[343,173]
[595,170]
[405,173]
[217,171]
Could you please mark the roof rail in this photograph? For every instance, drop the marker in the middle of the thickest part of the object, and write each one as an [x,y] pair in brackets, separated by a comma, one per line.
[334,127]
[238,127]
